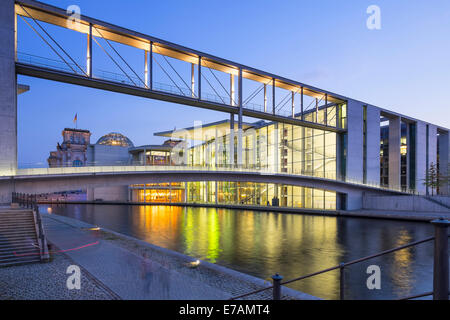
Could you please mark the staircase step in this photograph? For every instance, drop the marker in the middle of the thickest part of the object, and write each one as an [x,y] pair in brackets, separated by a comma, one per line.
[16,215]
[24,260]
[16,237]
[18,248]
[14,258]
[18,243]
[12,233]
[17,227]
[8,220]
[14,221]
[19,254]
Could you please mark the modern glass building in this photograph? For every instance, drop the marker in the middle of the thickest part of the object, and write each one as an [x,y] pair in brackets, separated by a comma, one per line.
[383,154]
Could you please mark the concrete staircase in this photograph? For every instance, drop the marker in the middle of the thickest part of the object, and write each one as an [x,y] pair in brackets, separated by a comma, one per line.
[21,238]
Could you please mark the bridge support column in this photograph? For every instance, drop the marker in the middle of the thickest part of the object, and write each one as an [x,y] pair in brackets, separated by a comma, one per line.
[215,192]
[444,151]
[8,94]
[394,152]
[90,196]
[231,151]
[239,142]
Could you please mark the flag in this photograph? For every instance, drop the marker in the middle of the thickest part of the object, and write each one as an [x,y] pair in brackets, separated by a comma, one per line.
[75,119]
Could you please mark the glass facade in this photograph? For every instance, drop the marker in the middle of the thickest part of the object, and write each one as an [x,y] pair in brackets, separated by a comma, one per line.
[236,193]
[276,147]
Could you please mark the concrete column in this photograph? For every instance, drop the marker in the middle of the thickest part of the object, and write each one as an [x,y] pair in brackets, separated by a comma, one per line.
[432,144]
[421,156]
[146,68]
[239,140]
[253,164]
[215,188]
[373,144]
[8,93]
[354,163]
[90,195]
[275,148]
[231,143]
[394,152]
[216,151]
[444,149]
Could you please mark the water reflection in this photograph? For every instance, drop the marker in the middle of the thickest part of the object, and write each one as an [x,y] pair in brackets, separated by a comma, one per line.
[263,243]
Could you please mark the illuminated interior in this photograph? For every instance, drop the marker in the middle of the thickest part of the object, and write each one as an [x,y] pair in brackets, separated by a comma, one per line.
[234,193]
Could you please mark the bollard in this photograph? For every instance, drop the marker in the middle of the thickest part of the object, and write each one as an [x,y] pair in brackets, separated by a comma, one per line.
[342,281]
[277,286]
[440,266]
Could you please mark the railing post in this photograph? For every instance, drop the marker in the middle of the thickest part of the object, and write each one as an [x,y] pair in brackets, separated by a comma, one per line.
[277,286]
[342,281]
[440,267]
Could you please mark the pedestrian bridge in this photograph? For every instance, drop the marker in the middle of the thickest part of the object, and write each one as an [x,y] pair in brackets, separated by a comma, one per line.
[131,174]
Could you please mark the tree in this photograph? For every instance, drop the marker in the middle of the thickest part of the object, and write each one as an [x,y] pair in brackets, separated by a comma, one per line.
[433,178]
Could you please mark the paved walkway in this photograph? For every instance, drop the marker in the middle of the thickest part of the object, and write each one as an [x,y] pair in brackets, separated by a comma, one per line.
[128,275]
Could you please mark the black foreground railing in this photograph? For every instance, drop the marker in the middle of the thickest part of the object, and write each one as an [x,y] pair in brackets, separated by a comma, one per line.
[440,267]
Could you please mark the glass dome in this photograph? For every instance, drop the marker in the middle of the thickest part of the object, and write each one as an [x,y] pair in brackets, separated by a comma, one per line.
[115,139]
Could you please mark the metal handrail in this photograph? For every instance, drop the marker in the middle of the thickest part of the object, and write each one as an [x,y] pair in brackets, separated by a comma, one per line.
[340,266]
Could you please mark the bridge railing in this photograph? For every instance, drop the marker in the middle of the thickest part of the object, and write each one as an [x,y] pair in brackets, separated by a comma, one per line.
[263,170]
[440,268]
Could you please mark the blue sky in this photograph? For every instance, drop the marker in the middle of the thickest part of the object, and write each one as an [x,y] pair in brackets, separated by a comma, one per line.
[403,67]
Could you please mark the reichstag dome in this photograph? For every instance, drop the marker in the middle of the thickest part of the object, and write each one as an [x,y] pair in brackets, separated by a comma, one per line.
[115,139]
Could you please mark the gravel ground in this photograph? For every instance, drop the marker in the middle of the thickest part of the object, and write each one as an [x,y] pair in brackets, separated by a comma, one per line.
[47,281]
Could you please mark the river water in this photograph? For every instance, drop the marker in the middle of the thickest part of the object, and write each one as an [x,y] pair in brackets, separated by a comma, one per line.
[264,243]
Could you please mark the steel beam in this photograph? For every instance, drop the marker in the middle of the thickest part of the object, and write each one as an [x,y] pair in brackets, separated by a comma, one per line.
[146,68]
[199,77]
[151,66]
[89,52]
[192,80]
[273,96]
[57,16]
[68,77]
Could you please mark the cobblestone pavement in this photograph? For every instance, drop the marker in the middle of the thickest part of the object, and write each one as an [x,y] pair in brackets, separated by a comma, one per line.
[47,281]
[134,269]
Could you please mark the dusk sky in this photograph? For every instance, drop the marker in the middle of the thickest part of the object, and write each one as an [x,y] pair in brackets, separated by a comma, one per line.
[404,67]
